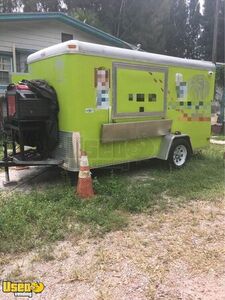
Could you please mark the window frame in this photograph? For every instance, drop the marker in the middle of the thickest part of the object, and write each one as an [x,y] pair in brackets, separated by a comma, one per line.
[118,65]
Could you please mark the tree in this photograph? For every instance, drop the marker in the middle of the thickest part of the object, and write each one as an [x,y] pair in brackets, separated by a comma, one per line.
[137,22]
[41,6]
[193,29]
[173,27]
[176,28]
[30,5]
[85,16]
[206,39]
[8,5]
[49,5]
[142,23]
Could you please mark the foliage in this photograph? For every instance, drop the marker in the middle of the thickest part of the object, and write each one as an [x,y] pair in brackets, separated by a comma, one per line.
[176,28]
[220,76]
[193,30]
[39,218]
[206,38]
[173,27]
[8,5]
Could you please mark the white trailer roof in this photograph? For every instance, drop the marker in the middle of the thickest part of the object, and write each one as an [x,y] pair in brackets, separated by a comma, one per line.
[78,47]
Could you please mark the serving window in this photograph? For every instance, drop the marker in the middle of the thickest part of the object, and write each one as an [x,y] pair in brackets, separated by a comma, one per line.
[138,90]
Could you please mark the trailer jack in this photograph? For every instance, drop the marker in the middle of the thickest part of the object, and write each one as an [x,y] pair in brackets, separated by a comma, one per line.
[7,181]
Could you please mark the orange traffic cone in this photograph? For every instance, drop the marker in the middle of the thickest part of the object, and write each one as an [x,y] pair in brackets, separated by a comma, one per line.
[84,186]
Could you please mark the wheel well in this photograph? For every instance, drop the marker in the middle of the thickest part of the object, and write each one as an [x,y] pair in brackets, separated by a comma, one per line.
[167,143]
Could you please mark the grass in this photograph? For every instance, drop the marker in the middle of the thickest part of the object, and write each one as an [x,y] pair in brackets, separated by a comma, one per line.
[40,218]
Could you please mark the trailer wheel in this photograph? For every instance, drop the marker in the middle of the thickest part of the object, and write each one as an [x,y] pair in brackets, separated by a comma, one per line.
[180,152]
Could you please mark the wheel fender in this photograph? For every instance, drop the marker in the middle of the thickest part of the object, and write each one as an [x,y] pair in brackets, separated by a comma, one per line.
[167,142]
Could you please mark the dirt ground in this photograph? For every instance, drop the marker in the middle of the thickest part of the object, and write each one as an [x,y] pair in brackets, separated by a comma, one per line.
[177,254]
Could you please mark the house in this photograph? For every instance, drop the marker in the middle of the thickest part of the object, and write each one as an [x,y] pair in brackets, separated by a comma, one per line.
[24,33]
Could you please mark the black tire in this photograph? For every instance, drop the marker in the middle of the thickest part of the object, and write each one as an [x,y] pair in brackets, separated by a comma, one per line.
[180,153]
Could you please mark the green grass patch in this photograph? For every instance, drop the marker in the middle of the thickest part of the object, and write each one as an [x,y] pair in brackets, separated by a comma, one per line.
[202,178]
[39,218]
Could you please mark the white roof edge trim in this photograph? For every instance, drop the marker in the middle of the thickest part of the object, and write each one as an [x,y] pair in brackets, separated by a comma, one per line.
[51,51]
[118,53]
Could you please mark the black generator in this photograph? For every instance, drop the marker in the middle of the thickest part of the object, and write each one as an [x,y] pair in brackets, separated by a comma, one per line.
[29,117]
[23,104]
[29,122]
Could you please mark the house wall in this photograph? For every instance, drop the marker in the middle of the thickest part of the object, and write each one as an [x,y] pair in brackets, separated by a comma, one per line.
[26,37]
[35,35]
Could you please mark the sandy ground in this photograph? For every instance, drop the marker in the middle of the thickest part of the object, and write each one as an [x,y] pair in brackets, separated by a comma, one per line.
[178,254]
[217,142]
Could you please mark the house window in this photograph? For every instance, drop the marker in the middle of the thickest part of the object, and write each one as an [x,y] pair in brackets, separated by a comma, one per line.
[5,63]
[66,37]
[5,69]
[21,61]
[4,77]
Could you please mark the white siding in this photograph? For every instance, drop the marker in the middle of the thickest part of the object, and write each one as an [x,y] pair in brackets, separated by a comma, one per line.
[32,36]
[35,35]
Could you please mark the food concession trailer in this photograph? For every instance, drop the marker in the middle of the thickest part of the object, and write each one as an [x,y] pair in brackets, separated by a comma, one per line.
[118,105]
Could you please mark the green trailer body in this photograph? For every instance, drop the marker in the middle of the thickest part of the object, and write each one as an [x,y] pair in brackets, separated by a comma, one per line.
[123,105]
